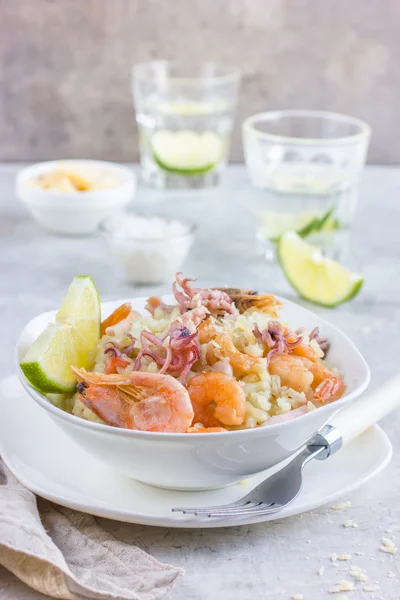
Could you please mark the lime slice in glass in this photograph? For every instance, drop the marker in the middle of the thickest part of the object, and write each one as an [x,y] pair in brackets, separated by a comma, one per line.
[315,277]
[47,364]
[274,224]
[190,108]
[330,224]
[187,152]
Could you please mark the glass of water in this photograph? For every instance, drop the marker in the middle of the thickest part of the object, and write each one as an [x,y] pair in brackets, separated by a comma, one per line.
[185,119]
[307,164]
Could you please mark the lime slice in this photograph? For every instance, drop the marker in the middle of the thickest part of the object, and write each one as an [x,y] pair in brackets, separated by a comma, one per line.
[191,108]
[187,152]
[315,277]
[81,308]
[331,224]
[47,364]
[274,224]
[72,341]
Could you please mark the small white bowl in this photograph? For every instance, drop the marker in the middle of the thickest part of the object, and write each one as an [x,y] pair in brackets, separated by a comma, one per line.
[142,254]
[75,213]
[208,460]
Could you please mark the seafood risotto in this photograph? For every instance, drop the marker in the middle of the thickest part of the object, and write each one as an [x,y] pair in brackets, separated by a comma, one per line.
[216,360]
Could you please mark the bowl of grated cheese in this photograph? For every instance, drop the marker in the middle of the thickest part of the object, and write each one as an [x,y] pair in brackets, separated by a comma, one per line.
[72,197]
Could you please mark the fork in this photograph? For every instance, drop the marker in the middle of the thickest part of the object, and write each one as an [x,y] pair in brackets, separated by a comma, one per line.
[281,488]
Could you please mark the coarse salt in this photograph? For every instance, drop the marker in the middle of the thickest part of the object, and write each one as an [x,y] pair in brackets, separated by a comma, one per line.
[147,249]
[321,571]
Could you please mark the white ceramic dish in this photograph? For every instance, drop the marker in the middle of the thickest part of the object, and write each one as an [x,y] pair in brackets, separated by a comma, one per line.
[75,213]
[47,462]
[146,249]
[182,461]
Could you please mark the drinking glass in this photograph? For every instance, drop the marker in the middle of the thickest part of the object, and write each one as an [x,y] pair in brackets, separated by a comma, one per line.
[185,118]
[307,164]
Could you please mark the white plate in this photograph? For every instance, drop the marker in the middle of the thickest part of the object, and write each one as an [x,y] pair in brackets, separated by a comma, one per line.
[47,462]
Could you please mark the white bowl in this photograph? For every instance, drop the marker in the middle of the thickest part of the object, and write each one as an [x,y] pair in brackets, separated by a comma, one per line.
[75,213]
[203,461]
[141,259]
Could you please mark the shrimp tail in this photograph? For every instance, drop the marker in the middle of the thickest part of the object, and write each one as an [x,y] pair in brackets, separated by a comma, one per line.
[328,390]
[113,379]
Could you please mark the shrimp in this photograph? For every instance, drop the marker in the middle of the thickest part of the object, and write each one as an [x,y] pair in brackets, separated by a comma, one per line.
[217,399]
[143,401]
[301,349]
[156,302]
[292,371]
[247,299]
[207,331]
[327,386]
[317,382]
[205,429]
[306,351]
[124,315]
[113,363]
[223,347]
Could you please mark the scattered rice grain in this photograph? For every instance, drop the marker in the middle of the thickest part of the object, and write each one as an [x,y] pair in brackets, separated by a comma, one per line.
[371,588]
[350,523]
[342,586]
[341,506]
[388,546]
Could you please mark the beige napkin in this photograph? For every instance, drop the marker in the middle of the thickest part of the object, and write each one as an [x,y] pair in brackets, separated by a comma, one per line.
[66,554]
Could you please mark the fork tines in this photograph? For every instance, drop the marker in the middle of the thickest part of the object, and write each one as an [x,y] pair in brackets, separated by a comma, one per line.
[230,510]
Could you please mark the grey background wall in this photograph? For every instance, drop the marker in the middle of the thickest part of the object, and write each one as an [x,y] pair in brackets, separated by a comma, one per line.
[65,66]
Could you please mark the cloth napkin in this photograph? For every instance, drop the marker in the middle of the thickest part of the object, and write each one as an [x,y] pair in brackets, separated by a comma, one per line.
[65,554]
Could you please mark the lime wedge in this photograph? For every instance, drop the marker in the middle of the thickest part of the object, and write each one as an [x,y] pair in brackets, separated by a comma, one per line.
[72,341]
[47,364]
[81,308]
[315,277]
[275,224]
[187,152]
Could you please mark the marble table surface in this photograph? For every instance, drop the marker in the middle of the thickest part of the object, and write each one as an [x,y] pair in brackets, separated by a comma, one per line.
[272,560]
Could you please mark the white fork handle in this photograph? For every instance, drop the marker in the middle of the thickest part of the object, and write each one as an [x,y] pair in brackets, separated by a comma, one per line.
[367,410]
